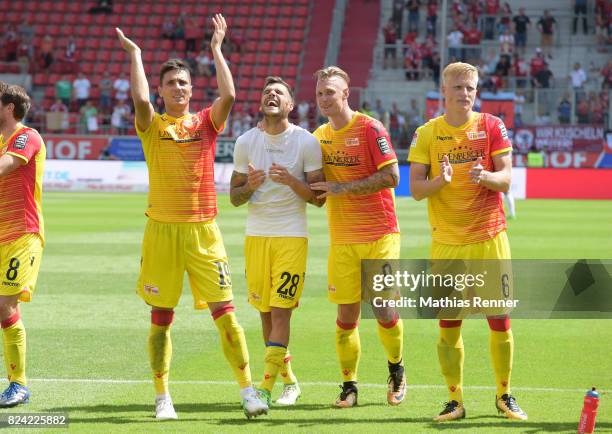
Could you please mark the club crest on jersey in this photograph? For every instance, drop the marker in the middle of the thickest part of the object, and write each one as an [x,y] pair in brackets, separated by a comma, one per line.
[383,145]
[351,141]
[476,135]
[21,141]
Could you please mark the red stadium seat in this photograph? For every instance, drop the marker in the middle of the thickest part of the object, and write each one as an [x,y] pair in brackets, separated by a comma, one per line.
[261,71]
[263,58]
[40,79]
[293,59]
[278,59]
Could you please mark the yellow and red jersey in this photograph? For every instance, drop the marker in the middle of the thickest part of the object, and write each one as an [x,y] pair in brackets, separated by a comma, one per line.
[462,212]
[353,153]
[21,190]
[180,155]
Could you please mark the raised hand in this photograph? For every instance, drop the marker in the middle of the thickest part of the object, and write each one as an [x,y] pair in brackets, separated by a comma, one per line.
[127,44]
[255,177]
[220,29]
[446,170]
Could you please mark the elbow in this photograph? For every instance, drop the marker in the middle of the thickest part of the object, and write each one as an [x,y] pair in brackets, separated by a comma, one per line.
[229,97]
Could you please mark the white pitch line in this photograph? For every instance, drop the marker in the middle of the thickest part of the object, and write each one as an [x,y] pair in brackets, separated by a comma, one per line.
[306,383]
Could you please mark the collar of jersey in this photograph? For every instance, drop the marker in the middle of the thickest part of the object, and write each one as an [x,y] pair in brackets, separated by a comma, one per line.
[463,126]
[173,119]
[347,126]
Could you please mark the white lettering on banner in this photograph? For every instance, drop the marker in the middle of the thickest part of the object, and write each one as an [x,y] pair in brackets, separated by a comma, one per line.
[69,150]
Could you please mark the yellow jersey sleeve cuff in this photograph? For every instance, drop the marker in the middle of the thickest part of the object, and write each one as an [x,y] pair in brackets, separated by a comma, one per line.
[386,163]
[416,159]
[501,151]
[20,156]
[219,129]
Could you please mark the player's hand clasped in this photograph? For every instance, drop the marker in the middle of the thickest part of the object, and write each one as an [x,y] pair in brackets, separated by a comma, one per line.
[220,29]
[280,174]
[127,44]
[446,170]
[477,172]
[328,188]
[255,177]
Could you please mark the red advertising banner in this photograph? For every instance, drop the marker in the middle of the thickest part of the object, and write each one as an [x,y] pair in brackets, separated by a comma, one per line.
[503,109]
[565,138]
[569,184]
[74,147]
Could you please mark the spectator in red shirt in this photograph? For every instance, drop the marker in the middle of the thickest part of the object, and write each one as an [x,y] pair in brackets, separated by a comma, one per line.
[520,69]
[491,11]
[432,17]
[390,37]
[537,62]
[472,36]
[606,72]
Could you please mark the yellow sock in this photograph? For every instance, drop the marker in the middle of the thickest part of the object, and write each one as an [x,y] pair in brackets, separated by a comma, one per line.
[391,335]
[348,348]
[286,372]
[272,363]
[14,337]
[450,355]
[160,354]
[501,345]
[233,344]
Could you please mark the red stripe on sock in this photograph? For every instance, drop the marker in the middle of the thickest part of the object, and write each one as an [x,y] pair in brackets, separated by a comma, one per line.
[448,324]
[499,324]
[389,324]
[346,325]
[10,320]
[220,312]
[162,317]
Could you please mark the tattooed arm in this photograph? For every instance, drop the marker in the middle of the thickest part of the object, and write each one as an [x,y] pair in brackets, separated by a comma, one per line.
[242,186]
[386,177]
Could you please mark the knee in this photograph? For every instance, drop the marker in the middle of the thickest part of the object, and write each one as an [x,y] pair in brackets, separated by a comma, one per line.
[349,313]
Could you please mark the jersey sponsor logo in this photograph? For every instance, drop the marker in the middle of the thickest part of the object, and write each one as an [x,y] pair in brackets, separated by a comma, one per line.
[272,150]
[325,142]
[383,145]
[456,156]
[476,135]
[503,131]
[352,141]
[20,142]
[342,159]
[5,283]
[415,137]
[444,138]
[331,288]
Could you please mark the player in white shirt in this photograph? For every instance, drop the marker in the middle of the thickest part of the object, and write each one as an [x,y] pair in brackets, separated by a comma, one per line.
[273,168]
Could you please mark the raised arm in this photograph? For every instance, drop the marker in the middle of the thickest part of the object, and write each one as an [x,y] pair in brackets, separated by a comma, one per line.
[227,94]
[386,177]
[138,83]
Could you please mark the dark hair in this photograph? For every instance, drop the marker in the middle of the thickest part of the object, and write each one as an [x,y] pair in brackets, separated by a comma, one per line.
[19,98]
[272,79]
[173,65]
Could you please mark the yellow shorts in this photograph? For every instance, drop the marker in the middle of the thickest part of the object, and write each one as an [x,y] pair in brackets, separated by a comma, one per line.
[275,271]
[19,265]
[491,257]
[344,266]
[170,249]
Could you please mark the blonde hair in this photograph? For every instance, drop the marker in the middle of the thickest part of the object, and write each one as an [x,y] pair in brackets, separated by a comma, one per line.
[458,69]
[332,71]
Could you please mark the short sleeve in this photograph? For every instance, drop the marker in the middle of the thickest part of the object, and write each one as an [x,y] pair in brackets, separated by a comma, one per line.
[419,147]
[379,145]
[313,158]
[146,135]
[241,155]
[206,117]
[25,145]
[499,140]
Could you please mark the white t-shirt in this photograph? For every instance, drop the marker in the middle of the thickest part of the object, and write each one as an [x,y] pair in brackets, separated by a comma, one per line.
[81,88]
[122,86]
[578,77]
[274,209]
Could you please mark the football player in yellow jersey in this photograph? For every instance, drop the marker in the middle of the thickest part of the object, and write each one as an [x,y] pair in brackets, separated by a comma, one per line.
[181,233]
[461,162]
[22,156]
[361,170]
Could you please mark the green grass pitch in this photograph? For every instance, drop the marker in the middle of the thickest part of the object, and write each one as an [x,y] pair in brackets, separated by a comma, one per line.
[87,334]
